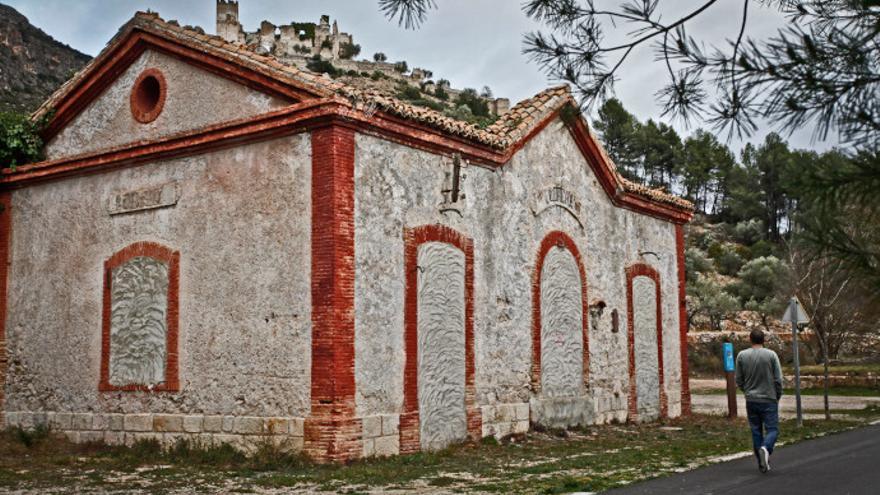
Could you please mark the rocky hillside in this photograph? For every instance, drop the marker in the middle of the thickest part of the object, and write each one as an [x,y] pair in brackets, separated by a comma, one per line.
[32,63]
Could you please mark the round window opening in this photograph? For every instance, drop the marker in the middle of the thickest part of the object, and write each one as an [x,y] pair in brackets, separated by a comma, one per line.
[148,96]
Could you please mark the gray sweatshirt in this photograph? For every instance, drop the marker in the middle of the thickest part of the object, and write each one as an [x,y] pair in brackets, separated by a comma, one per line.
[759,375]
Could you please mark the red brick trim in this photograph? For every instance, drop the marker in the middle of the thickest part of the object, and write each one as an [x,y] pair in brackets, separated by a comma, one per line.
[683,321]
[5,251]
[142,108]
[409,420]
[289,120]
[561,239]
[643,270]
[382,124]
[331,432]
[172,258]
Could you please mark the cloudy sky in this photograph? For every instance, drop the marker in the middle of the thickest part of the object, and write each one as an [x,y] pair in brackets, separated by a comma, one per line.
[473,43]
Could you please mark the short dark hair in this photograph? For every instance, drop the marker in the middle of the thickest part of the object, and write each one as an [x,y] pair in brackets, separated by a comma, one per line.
[757,336]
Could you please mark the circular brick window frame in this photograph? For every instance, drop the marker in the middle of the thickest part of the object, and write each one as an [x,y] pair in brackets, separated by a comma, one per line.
[148,96]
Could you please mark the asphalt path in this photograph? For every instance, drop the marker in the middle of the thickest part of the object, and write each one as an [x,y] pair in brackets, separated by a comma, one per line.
[842,464]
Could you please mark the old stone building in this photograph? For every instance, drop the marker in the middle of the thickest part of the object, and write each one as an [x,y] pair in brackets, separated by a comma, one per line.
[225,248]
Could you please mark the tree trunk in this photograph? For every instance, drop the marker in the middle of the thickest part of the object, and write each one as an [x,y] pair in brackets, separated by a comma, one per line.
[825,364]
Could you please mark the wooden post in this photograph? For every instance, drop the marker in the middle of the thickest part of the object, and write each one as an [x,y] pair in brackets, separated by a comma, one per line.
[729,370]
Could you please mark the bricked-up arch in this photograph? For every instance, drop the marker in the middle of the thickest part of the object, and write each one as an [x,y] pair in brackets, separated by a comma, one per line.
[634,271]
[562,240]
[170,258]
[409,419]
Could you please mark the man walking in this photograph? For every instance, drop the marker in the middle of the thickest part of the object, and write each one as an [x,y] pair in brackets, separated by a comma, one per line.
[759,375]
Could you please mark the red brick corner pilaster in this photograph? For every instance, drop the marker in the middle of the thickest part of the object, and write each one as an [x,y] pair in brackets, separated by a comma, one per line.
[561,240]
[643,270]
[409,420]
[172,259]
[5,242]
[332,433]
[683,322]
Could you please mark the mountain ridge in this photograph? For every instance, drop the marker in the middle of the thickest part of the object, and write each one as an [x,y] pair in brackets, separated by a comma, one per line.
[32,63]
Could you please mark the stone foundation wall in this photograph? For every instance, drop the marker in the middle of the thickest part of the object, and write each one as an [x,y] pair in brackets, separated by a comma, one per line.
[242,432]
[501,420]
[381,435]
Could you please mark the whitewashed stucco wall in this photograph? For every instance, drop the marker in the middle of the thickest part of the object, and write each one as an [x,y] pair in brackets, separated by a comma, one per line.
[195,98]
[242,227]
[399,187]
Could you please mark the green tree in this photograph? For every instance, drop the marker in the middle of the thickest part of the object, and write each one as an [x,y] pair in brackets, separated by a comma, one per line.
[702,165]
[760,287]
[380,57]
[660,148]
[706,298]
[618,128]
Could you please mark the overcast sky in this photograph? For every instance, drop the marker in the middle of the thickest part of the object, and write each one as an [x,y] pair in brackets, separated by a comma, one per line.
[473,43]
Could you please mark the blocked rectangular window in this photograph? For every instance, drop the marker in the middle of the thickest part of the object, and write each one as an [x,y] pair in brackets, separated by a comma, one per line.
[139,335]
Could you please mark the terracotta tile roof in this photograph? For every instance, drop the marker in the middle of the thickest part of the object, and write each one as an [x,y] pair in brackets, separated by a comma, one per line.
[501,135]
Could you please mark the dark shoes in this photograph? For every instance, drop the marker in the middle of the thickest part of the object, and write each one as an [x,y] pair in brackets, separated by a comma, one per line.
[763,459]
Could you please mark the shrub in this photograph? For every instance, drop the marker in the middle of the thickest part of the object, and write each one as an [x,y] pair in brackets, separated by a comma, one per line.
[696,262]
[762,248]
[749,231]
[377,75]
[317,64]
[348,50]
[743,252]
[401,67]
[408,92]
[729,262]
[715,250]
[441,93]
[380,57]
[472,100]
[20,141]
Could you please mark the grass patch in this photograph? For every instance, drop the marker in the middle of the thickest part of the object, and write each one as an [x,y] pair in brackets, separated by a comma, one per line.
[838,391]
[586,459]
[839,369]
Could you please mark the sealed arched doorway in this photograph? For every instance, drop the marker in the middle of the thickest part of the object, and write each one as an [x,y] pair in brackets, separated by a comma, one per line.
[560,342]
[647,397]
[439,397]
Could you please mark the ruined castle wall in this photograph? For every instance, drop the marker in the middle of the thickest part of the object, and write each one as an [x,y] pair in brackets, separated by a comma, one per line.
[195,98]
[504,213]
[240,219]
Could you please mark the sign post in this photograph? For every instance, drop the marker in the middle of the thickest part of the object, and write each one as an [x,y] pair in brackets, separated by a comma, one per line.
[729,368]
[796,315]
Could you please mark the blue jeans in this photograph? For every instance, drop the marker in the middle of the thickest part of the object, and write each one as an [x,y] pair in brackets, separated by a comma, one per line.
[763,416]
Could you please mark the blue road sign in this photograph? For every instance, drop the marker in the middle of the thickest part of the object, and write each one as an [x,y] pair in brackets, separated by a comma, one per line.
[728,357]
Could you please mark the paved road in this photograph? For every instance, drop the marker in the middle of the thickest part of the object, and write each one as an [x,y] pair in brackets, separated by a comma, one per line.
[843,464]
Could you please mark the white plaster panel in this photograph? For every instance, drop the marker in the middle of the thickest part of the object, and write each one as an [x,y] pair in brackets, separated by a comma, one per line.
[138,322]
[398,187]
[645,335]
[441,317]
[561,325]
[195,98]
[242,227]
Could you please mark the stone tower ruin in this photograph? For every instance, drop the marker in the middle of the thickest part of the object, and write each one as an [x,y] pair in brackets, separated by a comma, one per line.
[228,26]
